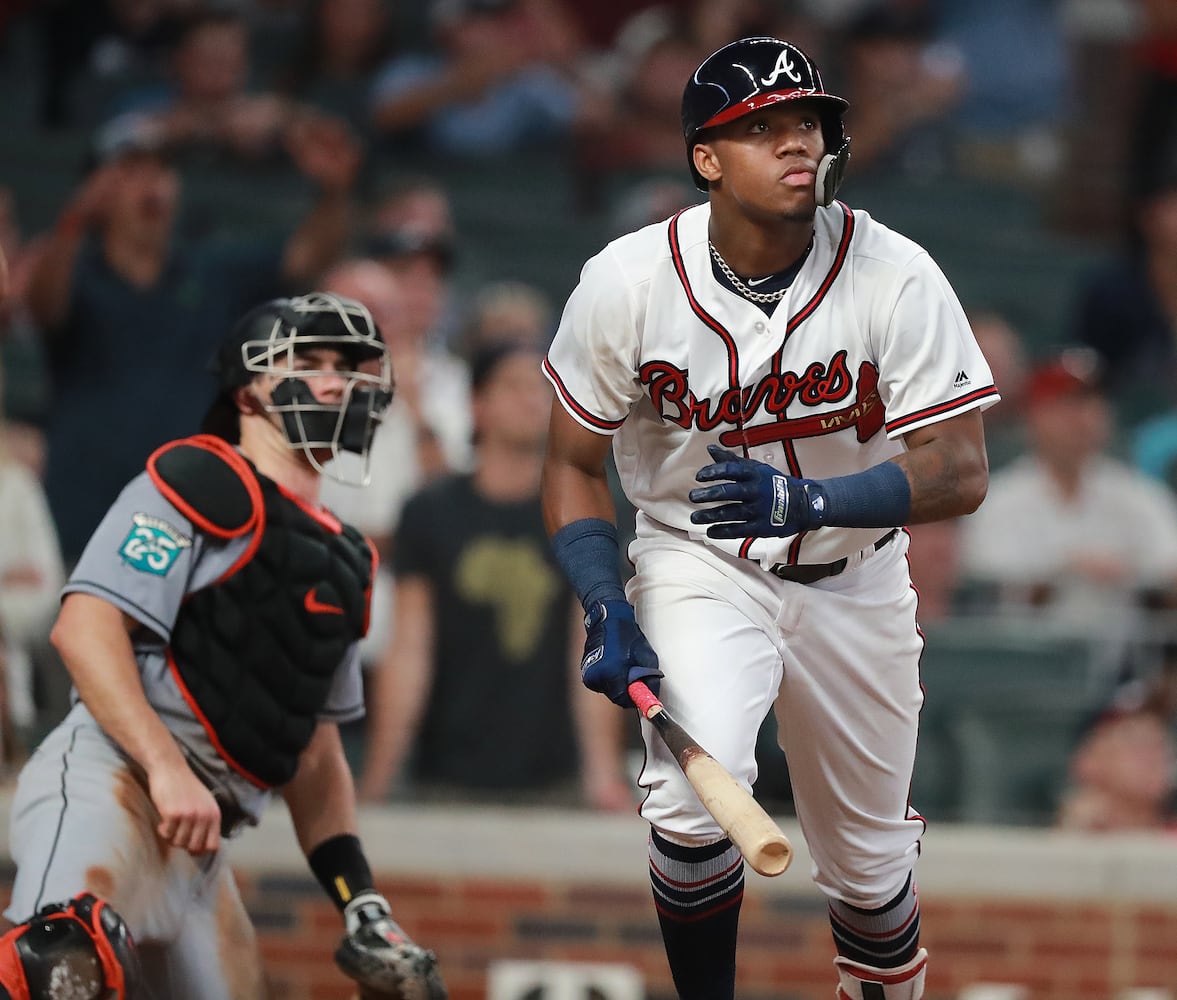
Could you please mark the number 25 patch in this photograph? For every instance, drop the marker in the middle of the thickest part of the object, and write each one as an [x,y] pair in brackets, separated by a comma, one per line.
[152,545]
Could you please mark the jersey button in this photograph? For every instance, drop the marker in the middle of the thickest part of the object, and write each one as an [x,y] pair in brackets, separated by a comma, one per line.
[761,327]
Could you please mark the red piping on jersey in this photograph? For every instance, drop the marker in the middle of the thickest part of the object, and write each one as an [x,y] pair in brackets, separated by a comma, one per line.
[806,310]
[580,411]
[733,357]
[208,728]
[940,408]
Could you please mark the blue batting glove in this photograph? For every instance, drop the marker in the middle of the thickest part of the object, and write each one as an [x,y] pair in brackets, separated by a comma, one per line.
[758,501]
[616,653]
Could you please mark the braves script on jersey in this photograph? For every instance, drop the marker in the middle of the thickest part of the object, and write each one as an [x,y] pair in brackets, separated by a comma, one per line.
[869,343]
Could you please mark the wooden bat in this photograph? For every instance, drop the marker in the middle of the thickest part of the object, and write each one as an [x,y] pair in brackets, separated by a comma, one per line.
[751,829]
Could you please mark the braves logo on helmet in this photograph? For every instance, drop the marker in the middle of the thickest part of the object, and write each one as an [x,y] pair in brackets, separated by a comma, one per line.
[753,73]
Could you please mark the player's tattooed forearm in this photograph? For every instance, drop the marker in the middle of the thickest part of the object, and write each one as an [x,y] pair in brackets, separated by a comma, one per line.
[934,473]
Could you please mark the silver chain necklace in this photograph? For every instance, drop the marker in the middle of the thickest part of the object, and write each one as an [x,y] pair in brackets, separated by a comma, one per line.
[764,298]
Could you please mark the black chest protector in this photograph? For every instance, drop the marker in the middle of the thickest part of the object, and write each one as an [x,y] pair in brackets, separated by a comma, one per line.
[256,653]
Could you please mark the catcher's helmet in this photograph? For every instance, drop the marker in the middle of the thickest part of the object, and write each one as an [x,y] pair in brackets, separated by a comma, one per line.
[266,340]
[750,74]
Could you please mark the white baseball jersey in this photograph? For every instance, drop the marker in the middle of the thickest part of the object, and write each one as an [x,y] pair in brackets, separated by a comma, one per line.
[870,337]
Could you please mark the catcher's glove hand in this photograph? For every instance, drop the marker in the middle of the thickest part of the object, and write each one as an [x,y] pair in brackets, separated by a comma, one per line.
[379,956]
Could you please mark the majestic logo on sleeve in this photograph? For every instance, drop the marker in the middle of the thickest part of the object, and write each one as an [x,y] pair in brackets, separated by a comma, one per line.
[819,385]
[153,545]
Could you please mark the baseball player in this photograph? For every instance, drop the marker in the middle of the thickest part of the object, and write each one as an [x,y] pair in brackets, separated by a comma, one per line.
[211,629]
[785,383]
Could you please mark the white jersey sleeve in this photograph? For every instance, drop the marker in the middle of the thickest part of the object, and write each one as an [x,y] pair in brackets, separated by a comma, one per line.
[930,366]
[599,323]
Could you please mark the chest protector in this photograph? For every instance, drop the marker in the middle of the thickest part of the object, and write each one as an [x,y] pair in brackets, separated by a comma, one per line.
[256,653]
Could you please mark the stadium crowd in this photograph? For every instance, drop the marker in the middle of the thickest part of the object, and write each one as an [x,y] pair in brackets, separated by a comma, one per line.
[169,163]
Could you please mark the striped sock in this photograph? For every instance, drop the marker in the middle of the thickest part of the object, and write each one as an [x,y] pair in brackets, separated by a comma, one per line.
[885,938]
[697,893]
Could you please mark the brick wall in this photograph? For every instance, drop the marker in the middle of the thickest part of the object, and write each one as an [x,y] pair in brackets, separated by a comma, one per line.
[1061,950]
[1072,918]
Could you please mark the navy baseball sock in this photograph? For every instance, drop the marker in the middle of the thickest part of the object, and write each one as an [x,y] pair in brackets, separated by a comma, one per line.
[885,938]
[697,893]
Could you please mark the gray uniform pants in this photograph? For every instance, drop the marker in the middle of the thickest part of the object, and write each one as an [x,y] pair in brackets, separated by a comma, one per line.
[82,820]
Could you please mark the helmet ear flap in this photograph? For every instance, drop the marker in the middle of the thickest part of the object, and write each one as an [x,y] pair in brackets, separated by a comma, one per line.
[830,171]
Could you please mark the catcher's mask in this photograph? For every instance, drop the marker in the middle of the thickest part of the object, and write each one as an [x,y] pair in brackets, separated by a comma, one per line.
[271,338]
[752,73]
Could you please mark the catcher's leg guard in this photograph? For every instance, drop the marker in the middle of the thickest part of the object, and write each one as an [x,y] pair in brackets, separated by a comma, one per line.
[865,982]
[81,949]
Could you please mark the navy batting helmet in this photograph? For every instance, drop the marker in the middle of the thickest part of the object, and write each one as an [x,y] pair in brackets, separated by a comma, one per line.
[753,73]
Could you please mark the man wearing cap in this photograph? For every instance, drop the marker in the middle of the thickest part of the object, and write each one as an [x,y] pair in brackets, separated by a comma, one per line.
[1067,528]
[130,312]
[505,76]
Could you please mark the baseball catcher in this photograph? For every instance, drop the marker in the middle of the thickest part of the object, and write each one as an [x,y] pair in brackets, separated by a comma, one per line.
[212,629]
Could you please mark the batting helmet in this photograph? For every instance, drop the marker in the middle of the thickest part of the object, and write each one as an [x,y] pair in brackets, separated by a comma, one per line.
[266,341]
[753,73]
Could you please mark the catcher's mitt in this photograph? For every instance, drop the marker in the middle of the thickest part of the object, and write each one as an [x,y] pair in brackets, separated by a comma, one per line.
[379,956]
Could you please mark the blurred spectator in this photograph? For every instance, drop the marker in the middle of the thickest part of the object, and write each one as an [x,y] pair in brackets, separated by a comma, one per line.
[341,44]
[1123,772]
[23,388]
[650,201]
[1006,353]
[131,313]
[401,448]
[396,468]
[411,232]
[31,574]
[507,312]
[94,49]
[1016,86]
[479,693]
[506,74]
[207,106]
[410,228]
[934,555]
[903,81]
[1122,775]
[1154,448]
[1066,529]
[654,51]
[1154,140]
[1127,309]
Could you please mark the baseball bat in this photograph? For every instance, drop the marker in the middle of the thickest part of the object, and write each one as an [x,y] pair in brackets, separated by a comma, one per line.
[743,819]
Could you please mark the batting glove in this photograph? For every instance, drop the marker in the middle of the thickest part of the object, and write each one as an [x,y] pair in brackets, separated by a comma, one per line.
[616,653]
[759,501]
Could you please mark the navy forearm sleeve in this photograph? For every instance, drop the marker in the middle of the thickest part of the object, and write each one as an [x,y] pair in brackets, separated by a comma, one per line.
[880,497]
[587,552]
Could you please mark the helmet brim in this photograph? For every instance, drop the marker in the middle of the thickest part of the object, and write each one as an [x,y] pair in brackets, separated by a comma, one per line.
[742,108]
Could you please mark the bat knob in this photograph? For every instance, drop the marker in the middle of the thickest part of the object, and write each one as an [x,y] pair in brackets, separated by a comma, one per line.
[772,858]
